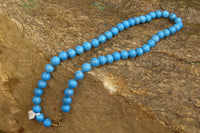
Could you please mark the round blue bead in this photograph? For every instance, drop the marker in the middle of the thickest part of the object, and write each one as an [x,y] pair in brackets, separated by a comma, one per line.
[79,75]
[116,56]
[42,84]
[46,76]
[36,108]
[67,100]
[161,34]
[109,58]
[63,55]
[95,43]
[131,21]
[47,122]
[148,18]
[132,53]
[142,19]
[178,20]
[55,60]
[72,83]
[87,46]
[49,68]
[86,67]
[166,32]
[139,51]
[126,24]
[165,14]
[172,16]
[39,117]
[151,43]
[158,14]
[95,62]
[36,100]
[102,38]
[146,48]
[65,108]
[114,30]
[120,26]
[124,54]
[137,20]
[155,38]
[108,34]
[180,24]
[177,26]
[102,60]
[172,30]
[79,49]
[68,92]
[71,53]
[38,91]
[153,15]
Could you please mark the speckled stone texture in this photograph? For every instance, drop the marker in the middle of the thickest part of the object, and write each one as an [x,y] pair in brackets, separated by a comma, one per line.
[155,93]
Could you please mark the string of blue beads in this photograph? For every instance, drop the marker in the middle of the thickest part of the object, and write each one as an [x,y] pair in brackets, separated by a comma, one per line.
[116,56]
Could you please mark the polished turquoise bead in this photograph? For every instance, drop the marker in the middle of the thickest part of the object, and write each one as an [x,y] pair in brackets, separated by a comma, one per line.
[39,117]
[108,34]
[63,55]
[47,122]
[153,15]
[86,67]
[65,108]
[67,100]
[79,75]
[49,68]
[161,34]
[42,84]
[117,56]
[124,54]
[87,46]
[72,83]
[131,21]
[36,100]
[165,14]
[68,92]
[137,20]
[95,43]
[155,38]
[178,20]
[139,51]
[177,27]
[102,38]
[114,30]
[120,26]
[166,32]
[95,62]
[102,60]
[46,76]
[172,30]
[79,49]
[55,60]
[148,18]
[109,58]
[126,24]
[132,53]
[142,19]
[172,16]
[151,43]
[38,91]
[36,109]
[158,14]
[146,48]
[71,53]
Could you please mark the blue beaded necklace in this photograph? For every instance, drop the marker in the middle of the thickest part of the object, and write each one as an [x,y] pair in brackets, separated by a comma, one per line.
[86,67]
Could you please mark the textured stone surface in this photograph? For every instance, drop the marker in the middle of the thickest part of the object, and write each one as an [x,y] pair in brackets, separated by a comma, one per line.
[157,92]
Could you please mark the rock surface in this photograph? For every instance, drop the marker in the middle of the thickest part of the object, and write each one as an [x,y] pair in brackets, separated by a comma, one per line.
[157,92]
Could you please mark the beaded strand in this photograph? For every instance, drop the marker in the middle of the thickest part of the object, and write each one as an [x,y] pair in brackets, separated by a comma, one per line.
[86,67]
